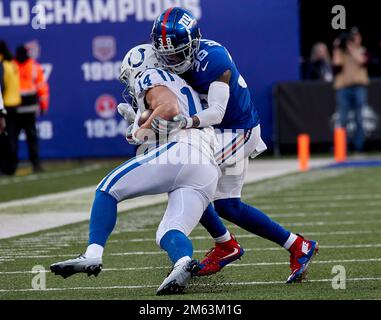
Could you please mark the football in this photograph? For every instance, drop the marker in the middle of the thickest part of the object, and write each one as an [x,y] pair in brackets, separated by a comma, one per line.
[144,117]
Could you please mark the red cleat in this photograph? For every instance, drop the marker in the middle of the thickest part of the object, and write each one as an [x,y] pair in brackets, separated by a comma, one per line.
[302,252]
[219,256]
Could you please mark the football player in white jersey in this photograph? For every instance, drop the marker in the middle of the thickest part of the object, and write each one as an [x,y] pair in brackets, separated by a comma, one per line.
[182,166]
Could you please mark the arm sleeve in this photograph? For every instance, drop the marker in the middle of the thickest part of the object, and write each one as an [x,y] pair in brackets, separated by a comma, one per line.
[218,97]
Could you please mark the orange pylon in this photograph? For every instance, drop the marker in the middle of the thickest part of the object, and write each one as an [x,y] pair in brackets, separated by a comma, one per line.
[303,151]
[340,144]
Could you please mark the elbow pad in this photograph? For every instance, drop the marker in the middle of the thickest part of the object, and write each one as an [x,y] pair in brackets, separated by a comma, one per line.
[218,97]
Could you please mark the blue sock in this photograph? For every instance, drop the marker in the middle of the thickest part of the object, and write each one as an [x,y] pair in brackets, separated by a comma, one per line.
[251,219]
[212,222]
[103,218]
[177,245]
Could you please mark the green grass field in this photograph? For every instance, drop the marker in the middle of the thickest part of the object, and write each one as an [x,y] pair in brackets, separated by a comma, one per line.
[341,208]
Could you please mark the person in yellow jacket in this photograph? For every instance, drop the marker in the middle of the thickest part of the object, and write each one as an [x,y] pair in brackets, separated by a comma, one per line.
[10,85]
[34,100]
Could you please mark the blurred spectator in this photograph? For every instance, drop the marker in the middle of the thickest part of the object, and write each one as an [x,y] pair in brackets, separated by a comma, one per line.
[351,80]
[10,83]
[5,150]
[319,66]
[34,100]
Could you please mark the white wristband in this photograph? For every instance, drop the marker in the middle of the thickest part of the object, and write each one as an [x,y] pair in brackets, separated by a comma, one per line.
[189,123]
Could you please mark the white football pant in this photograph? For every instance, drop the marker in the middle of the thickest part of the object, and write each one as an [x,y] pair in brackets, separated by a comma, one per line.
[172,168]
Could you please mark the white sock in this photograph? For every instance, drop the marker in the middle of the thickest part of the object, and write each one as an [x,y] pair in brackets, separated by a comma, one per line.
[226,237]
[181,260]
[94,251]
[291,239]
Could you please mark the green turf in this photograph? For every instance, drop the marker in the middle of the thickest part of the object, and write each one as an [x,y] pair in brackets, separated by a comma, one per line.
[56,177]
[340,208]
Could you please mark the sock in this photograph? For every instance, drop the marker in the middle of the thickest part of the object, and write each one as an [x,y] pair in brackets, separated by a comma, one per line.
[212,223]
[251,219]
[177,245]
[181,260]
[103,218]
[290,241]
[94,251]
[226,237]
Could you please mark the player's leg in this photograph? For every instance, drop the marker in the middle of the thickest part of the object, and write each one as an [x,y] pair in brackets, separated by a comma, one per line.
[229,206]
[195,187]
[360,100]
[126,181]
[32,140]
[185,207]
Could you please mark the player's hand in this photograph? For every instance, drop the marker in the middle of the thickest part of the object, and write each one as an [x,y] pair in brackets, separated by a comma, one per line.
[161,126]
[127,112]
[130,136]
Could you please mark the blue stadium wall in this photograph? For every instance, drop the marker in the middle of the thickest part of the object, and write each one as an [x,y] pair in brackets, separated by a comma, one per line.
[84,42]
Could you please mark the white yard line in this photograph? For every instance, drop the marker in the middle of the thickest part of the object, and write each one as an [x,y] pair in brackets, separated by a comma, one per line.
[133,253]
[191,285]
[242,236]
[235,265]
[293,224]
[13,224]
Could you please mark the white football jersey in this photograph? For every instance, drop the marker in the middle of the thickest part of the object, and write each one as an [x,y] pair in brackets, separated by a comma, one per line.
[189,104]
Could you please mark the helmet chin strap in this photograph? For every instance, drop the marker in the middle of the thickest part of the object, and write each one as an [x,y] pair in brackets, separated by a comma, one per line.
[183,67]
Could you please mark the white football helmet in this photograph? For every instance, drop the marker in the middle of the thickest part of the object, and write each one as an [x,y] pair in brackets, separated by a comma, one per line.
[136,61]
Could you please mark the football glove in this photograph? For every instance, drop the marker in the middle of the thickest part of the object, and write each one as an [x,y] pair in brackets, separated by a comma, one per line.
[162,126]
[130,136]
[127,112]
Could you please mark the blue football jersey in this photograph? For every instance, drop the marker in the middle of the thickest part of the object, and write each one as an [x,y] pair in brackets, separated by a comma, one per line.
[211,62]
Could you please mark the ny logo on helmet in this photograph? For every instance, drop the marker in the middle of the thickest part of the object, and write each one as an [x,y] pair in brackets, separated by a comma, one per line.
[187,21]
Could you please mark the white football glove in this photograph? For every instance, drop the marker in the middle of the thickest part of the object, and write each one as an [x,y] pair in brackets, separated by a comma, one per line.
[130,136]
[161,126]
[127,112]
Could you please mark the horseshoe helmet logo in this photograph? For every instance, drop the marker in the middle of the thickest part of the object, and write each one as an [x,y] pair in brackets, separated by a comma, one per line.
[140,62]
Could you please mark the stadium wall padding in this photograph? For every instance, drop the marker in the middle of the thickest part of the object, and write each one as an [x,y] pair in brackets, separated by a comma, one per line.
[85,40]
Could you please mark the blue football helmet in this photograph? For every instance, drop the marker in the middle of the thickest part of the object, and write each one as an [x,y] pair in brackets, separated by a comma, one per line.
[176,39]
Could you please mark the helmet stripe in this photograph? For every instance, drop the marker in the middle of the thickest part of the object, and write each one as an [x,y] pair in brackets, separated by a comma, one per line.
[164,26]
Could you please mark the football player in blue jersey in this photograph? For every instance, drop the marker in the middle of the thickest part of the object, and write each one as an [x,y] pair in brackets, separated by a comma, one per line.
[209,69]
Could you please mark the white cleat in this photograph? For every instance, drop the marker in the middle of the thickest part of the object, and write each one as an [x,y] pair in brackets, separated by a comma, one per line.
[81,264]
[178,278]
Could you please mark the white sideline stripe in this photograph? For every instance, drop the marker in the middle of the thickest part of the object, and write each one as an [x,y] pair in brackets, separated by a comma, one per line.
[43,176]
[191,285]
[356,246]
[236,265]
